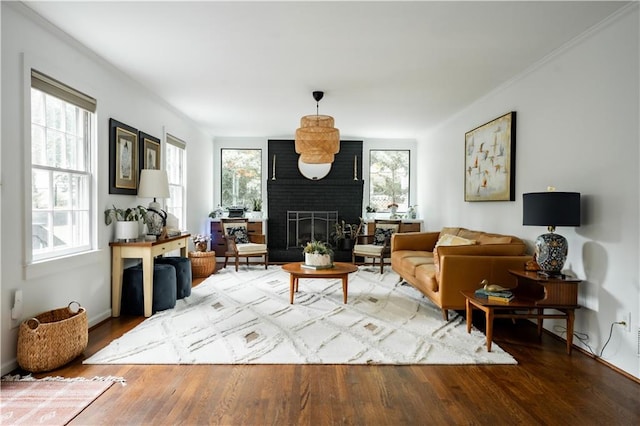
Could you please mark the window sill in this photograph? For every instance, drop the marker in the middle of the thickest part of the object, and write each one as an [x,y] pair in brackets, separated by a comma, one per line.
[60,264]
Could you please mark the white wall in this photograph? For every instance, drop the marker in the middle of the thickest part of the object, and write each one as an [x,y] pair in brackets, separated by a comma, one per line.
[577,130]
[28,41]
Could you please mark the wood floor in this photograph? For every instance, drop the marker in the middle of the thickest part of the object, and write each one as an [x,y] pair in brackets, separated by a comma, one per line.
[547,387]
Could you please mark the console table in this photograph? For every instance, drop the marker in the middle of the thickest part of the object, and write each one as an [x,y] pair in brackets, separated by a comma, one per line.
[534,293]
[147,251]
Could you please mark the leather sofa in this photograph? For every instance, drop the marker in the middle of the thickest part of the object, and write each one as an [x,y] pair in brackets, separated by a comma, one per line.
[442,271]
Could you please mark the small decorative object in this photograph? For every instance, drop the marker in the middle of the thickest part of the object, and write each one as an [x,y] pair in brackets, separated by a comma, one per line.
[200,241]
[318,255]
[411,212]
[371,212]
[127,221]
[217,213]
[490,161]
[393,208]
[492,287]
[257,207]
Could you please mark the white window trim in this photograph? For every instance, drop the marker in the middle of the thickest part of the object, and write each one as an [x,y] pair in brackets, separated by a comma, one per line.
[31,268]
[175,141]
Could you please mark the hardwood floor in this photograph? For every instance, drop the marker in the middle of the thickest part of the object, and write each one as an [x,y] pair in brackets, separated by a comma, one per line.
[547,387]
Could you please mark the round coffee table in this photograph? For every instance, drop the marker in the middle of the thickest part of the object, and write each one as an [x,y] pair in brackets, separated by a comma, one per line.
[339,270]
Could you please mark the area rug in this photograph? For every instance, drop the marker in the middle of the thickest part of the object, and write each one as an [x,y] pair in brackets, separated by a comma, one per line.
[245,317]
[50,401]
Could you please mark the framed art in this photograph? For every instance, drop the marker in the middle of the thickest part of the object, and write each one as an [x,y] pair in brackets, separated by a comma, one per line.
[123,158]
[489,166]
[149,151]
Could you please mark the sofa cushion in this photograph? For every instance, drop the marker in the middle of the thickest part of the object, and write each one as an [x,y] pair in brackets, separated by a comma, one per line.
[383,233]
[367,249]
[494,239]
[450,231]
[410,263]
[512,249]
[251,248]
[426,275]
[469,234]
[449,240]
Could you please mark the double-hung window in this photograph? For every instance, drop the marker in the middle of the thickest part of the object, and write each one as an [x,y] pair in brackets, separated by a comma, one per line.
[175,164]
[389,179]
[241,183]
[62,218]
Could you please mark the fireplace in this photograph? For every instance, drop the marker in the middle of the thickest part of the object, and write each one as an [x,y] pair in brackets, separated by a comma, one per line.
[306,226]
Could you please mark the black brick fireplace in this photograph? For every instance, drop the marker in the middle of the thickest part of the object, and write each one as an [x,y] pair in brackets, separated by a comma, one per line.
[340,191]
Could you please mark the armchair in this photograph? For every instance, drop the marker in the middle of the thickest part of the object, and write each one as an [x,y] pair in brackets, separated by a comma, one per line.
[378,245]
[240,243]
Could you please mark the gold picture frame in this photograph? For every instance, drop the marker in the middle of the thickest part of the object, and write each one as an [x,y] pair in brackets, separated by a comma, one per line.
[123,158]
[149,152]
[490,153]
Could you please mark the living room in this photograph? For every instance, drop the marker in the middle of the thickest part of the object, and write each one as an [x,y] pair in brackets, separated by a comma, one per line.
[577,130]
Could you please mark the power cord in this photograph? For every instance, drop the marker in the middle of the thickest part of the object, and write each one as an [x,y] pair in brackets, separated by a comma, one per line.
[584,338]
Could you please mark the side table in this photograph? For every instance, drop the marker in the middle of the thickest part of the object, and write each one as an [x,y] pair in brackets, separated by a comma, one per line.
[533,294]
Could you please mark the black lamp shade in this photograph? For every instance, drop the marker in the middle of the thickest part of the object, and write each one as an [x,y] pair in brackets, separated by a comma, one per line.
[551,208]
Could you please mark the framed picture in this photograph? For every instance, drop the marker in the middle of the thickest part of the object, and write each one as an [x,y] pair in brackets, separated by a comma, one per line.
[489,165]
[123,158]
[149,152]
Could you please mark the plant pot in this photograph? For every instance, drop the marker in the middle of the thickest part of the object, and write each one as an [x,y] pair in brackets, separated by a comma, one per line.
[127,230]
[347,244]
[201,246]
[313,259]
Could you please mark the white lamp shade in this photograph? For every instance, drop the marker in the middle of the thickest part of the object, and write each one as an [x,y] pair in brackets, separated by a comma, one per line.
[153,184]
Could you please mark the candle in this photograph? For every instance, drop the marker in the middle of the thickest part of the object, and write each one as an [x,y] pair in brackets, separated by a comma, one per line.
[355,168]
[273,175]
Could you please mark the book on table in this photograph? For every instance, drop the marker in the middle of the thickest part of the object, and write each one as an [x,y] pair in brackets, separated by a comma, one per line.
[317,267]
[495,296]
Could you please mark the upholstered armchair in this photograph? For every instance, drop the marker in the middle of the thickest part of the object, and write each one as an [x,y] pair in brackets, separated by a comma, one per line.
[378,245]
[240,243]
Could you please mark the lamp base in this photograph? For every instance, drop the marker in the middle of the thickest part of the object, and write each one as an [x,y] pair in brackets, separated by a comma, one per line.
[551,253]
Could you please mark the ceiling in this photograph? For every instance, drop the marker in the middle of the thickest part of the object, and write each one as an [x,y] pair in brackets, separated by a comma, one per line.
[388,69]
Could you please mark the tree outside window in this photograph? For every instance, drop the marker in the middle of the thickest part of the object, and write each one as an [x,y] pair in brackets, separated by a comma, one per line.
[389,179]
[241,177]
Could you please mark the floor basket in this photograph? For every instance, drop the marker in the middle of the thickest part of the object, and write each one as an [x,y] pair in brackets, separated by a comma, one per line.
[203,263]
[52,338]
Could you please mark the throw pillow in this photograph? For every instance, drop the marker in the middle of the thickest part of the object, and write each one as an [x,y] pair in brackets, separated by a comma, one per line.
[449,240]
[381,234]
[240,232]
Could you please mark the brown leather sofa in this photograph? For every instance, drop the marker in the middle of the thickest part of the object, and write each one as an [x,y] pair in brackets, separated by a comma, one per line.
[455,268]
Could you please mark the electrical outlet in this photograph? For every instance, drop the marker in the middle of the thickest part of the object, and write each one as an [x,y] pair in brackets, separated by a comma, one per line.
[627,322]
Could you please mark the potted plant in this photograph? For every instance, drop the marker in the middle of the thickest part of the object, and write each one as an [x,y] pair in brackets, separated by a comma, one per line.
[127,221]
[257,207]
[200,241]
[371,212]
[344,235]
[318,254]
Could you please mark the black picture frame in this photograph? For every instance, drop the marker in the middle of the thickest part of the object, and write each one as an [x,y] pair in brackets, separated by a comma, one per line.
[123,158]
[150,153]
[490,160]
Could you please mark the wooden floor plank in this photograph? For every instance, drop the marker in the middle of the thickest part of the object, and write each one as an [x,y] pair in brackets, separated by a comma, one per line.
[546,387]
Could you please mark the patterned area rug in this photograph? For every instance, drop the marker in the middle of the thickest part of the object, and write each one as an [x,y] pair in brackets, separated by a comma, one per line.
[53,401]
[245,318]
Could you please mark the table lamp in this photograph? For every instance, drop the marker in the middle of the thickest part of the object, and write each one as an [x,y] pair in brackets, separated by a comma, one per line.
[154,184]
[551,209]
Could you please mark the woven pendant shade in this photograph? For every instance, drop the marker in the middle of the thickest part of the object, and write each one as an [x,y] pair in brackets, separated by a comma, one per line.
[317,141]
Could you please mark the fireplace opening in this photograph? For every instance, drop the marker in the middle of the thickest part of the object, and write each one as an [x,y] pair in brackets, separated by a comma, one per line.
[305,226]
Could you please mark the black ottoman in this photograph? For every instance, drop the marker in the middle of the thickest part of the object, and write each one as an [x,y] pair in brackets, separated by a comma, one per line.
[164,289]
[183,273]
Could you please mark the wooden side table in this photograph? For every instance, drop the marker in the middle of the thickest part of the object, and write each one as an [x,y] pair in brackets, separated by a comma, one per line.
[147,251]
[534,293]
[340,270]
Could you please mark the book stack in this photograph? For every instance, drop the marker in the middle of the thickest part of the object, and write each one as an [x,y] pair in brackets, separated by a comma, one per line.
[504,296]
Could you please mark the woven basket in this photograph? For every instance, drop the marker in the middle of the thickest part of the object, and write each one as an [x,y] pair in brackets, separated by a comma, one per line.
[203,263]
[52,338]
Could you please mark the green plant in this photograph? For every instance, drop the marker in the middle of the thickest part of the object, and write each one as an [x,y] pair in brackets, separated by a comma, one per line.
[130,214]
[371,209]
[257,204]
[344,231]
[317,247]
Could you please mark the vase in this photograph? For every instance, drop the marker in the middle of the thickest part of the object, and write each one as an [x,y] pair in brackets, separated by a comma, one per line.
[201,246]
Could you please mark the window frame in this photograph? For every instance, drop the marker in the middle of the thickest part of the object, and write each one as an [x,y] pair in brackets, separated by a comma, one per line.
[180,144]
[260,168]
[59,261]
[409,175]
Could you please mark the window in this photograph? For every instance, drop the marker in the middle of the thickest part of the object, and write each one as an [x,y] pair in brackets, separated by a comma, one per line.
[175,164]
[389,179]
[62,218]
[241,177]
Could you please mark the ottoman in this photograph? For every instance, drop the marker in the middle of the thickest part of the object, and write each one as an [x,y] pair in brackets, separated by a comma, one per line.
[164,289]
[183,273]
